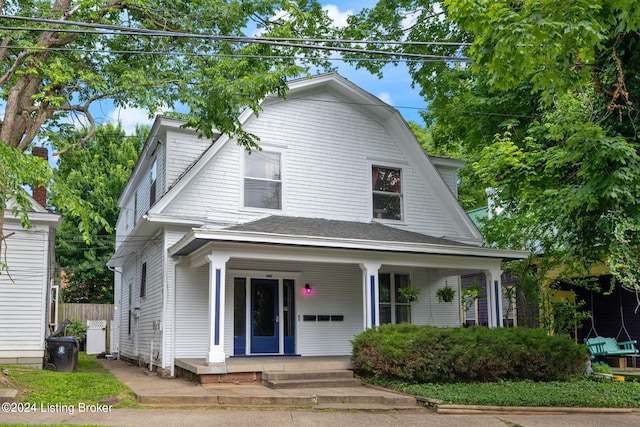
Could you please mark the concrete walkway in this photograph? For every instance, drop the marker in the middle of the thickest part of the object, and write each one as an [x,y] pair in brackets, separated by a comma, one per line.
[239,405]
[153,390]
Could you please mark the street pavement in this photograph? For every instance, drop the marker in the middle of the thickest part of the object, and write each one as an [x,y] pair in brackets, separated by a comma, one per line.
[265,417]
[176,402]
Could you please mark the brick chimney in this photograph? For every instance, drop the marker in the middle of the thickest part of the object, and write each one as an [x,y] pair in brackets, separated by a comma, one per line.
[39,192]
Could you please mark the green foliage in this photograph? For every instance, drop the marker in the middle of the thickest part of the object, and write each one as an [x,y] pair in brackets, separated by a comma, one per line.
[546,114]
[96,173]
[578,392]
[409,293]
[568,317]
[50,77]
[77,329]
[425,354]
[601,368]
[89,384]
[445,294]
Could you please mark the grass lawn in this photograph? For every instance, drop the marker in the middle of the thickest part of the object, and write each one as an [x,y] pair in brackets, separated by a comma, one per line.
[581,392]
[89,384]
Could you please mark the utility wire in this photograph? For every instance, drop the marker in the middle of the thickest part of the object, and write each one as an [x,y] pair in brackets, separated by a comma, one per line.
[411,57]
[271,41]
[143,31]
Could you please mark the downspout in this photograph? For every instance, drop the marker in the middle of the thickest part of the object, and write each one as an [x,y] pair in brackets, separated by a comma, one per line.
[117,311]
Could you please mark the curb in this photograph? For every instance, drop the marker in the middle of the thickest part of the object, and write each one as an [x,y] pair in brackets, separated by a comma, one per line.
[8,395]
[523,410]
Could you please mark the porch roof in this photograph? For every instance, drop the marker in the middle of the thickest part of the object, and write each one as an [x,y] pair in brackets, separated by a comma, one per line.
[317,232]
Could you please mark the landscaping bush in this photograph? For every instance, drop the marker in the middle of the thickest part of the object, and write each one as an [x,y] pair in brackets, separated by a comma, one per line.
[426,354]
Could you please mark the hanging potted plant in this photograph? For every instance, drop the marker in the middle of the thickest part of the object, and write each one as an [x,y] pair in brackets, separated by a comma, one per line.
[445,294]
[409,293]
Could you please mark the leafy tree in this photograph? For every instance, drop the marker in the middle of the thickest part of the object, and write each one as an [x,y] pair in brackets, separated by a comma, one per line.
[58,58]
[98,173]
[545,111]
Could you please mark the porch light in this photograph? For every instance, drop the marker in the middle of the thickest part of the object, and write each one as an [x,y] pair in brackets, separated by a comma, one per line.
[307,289]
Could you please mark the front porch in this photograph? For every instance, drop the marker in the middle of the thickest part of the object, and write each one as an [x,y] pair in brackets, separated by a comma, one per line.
[250,369]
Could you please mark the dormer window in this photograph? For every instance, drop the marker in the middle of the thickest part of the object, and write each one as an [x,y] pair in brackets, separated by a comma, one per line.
[387,193]
[262,180]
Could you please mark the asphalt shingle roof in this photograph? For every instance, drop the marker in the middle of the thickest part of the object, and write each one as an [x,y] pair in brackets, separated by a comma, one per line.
[317,227]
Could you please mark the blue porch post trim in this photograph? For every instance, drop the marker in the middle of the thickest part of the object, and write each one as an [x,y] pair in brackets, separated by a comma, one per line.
[372,281]
[216,340]
[217,269]
[496,287]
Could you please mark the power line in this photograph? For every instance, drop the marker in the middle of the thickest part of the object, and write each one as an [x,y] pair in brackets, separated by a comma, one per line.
[157,33]
[298,43]
[414,57]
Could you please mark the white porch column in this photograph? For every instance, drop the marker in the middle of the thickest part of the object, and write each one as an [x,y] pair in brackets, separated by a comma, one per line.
[494,297]
[371,295]
[217,268]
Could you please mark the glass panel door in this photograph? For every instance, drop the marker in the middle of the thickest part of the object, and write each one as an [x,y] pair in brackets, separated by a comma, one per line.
[264,316]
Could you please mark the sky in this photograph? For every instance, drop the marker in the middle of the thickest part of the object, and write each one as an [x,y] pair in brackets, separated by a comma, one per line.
[394,88]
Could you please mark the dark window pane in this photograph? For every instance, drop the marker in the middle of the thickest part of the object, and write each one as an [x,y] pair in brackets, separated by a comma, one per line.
[385,287]
[264,311]
[288,294]
[402,281]
[239,307]
[385,314]
[403,314]
[262,194]
[386,179]
[386,206]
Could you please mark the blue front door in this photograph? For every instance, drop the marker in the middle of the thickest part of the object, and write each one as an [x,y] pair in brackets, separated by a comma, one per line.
[264,316]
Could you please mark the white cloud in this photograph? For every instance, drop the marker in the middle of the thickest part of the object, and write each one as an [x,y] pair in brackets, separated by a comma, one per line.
[130,118]
[385,97]
[339,18]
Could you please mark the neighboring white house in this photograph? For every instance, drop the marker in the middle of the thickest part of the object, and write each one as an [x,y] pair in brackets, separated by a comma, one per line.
[26,286]
[294,249]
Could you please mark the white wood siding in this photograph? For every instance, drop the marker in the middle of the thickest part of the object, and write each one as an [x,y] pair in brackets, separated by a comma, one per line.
[183,148]
[428,310]
[450,177]
[150,320]
[327,149]
[130,283]
[23,289]
[337,290]
[192,311]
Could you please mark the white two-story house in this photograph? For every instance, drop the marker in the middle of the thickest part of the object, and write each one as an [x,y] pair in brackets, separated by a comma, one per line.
[294,249]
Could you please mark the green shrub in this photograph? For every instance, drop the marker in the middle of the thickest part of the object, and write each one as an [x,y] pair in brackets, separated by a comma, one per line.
[427,354]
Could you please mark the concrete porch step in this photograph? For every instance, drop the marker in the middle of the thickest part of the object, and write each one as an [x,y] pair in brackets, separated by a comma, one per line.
[309,379]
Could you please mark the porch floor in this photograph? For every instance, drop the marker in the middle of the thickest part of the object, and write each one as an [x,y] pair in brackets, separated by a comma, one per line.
[234,365]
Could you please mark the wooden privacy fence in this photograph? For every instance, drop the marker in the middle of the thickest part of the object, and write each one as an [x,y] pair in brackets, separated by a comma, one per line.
[84,312]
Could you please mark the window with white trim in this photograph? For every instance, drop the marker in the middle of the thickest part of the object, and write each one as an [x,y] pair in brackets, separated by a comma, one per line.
[387,192]
[152,183]
[394,307]
[262,180]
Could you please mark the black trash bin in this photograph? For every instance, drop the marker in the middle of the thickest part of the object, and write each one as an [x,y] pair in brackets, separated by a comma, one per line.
[62,353]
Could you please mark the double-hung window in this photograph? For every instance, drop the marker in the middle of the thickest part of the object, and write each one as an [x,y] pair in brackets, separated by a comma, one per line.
[262,180]
[387,192]
[394,307]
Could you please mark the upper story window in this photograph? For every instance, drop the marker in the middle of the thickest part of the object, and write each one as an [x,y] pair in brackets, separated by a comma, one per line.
[387,193]
[152,183]
[262,180]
